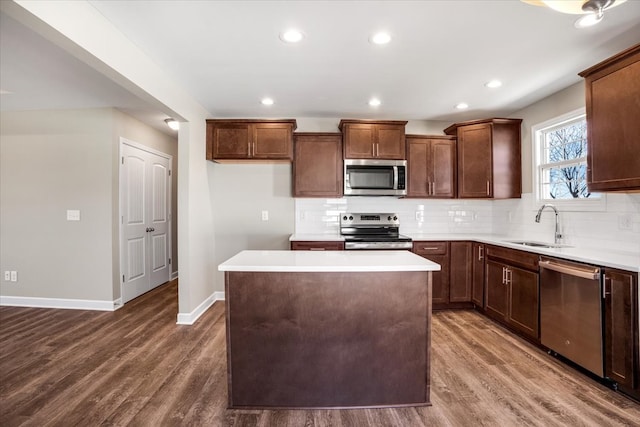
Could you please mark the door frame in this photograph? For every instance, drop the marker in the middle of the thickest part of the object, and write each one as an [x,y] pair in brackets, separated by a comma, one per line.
[169,157]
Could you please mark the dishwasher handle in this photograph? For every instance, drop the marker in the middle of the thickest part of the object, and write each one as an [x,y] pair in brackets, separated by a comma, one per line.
[591,273]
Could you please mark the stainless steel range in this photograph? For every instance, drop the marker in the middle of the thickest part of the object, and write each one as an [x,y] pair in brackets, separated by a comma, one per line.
[367,231]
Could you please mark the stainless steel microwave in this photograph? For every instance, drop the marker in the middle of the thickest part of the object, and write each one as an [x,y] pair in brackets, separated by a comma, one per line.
[369,177]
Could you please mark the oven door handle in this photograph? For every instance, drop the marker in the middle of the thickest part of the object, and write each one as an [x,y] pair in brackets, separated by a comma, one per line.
[591,273]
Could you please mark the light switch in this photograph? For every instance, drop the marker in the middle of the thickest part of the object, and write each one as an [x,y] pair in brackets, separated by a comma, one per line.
[265,215]
[73,215]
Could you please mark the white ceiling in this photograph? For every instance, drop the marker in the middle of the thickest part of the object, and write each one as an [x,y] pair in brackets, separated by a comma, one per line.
[227,55]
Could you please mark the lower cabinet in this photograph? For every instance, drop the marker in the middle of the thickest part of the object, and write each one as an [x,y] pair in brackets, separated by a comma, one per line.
[512,289]
[317,246]
[477,275]
[452,284]
[437,252]
[621,330]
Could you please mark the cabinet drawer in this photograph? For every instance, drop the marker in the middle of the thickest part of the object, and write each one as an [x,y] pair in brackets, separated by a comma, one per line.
[431,248]
[317,246]
[515,257]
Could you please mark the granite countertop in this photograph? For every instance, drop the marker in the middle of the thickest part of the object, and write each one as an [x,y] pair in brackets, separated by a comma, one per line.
[327,261]
[601,257]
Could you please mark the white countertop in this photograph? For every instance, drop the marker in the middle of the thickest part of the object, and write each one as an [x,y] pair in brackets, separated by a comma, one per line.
[600,257]
[327,261]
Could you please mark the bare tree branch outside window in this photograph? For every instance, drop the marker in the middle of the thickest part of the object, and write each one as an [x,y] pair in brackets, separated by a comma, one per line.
[566,169]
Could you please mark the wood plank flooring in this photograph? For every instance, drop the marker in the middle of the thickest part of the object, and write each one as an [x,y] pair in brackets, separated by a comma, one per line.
[137,367]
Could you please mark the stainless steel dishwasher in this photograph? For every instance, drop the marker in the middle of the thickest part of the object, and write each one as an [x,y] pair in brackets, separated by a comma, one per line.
[571,312]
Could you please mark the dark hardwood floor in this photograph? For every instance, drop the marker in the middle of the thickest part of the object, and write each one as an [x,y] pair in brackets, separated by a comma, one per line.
[137,367]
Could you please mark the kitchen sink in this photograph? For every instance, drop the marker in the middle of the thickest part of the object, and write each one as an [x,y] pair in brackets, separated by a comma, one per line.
[537,244]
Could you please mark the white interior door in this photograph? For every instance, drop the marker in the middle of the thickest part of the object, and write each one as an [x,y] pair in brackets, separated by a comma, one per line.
[145,191]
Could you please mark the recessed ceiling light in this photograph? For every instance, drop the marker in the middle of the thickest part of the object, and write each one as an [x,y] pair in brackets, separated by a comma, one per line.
[462,106]
[291,36]
[493,84]
[588,20]
[266,101]
[380,38]
[374,102]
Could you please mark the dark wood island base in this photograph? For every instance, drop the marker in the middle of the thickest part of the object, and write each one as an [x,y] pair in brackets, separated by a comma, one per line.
[328,339]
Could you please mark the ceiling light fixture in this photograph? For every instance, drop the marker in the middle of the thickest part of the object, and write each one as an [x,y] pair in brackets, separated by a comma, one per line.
[172,123]
[291,36]
[462,106]
[266,101]
[380,38]
[374,102]
[493,84]
[594,8]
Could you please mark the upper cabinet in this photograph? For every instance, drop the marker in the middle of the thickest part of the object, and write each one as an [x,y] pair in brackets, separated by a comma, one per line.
[431,164]
[317,165]
[250,140]
[368,139]
[613,129]
[489,164]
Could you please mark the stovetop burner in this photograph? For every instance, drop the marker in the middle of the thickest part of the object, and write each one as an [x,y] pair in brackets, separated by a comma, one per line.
[373,231]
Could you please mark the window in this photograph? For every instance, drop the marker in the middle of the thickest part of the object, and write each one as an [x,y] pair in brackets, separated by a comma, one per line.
[560,147]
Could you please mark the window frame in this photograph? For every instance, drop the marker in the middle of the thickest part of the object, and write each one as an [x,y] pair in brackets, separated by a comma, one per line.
[537,147]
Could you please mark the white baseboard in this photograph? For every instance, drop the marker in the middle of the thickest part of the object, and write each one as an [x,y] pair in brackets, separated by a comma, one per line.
[190,318]
[174,275]
[75,304]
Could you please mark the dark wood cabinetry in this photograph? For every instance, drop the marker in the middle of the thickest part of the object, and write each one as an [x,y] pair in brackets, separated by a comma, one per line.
[512,289]
[364,139]
[613,133]
[477,275]
[250,140]
[488,153]
[431,164]
[317,165]
[437,252]
[452,284]
[299,245]
[621,330]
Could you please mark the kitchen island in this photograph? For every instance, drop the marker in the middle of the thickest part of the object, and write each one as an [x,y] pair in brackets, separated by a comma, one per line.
[329,329]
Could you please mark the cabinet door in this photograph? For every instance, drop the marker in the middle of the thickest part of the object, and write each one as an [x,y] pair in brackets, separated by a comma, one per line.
[442,164]
[523,301]
[316,246]
[474,161]
[477,287]
[437,252]
[317,165]
[359,141]
[231,141]
[419,180]
[390,142]
[272,141]
[497,291]
[621,329]
[460,282]
[613,108]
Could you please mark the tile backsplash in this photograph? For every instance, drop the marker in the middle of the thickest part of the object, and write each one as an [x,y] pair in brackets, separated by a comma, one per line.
[617,228]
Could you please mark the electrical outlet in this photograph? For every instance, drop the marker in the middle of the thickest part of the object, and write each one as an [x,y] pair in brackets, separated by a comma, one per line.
[7,276]
[625,222]
[265,215]
[14,276]
[419,215]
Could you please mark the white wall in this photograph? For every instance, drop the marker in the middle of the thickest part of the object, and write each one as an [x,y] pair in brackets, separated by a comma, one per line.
[52,161]
[58,160]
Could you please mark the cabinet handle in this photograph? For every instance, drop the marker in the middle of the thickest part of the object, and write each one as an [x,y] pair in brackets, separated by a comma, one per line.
[433,188]
[428,188]
[488,191]
[504,275]
[509,276]
[430,248]
[316,249]
[480,253]
[605,280]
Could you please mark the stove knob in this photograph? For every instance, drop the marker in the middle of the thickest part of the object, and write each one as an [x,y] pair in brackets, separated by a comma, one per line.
[344,217]
[395,218]
[389,218]
[350,218]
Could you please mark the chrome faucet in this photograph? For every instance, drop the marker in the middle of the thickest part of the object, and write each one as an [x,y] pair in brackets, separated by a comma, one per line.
[558,235]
